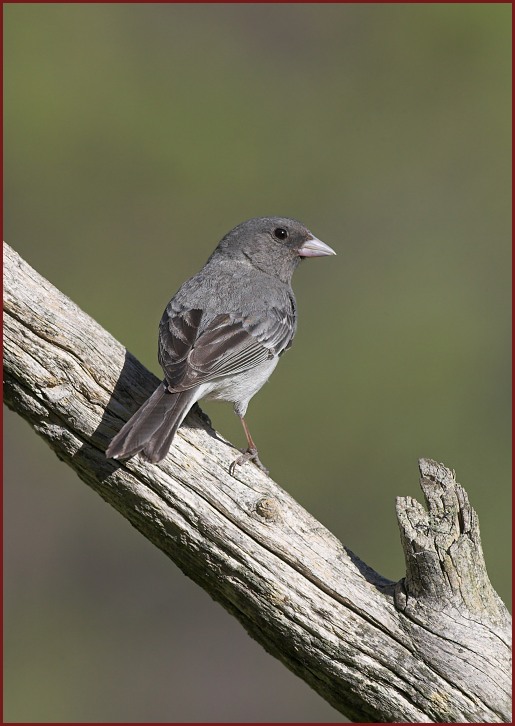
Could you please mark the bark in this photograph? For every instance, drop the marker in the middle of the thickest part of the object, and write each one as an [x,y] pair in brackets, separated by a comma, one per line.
[434,647]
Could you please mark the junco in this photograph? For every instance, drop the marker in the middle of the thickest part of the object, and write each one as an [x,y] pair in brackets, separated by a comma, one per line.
[222,333]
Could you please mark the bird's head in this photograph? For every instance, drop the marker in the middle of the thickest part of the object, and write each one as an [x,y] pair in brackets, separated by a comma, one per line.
[274,245]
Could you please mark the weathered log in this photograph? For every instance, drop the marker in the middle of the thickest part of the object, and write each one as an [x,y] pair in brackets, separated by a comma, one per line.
[434,647]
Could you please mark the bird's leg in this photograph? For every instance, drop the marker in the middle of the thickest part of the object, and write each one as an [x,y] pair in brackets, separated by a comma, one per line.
[250,454]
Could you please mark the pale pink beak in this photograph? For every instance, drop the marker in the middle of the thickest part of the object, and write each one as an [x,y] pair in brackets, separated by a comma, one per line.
[315,248]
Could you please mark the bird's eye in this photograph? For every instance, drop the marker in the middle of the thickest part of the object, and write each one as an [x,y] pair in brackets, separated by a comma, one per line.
[280,233]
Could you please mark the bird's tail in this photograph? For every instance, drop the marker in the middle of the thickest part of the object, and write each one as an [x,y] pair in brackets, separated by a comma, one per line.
[151,430]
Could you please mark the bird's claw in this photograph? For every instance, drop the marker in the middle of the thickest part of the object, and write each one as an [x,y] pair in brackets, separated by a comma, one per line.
[248,455]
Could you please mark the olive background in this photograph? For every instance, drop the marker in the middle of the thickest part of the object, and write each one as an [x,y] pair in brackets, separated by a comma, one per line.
[136,135]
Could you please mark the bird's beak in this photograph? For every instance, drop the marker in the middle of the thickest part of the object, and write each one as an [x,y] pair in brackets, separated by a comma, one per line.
[315,248]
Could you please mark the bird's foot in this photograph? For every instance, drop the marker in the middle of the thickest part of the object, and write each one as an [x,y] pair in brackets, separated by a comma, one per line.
[250,454]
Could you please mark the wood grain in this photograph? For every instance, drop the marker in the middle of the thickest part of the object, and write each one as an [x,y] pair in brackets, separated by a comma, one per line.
[434,647]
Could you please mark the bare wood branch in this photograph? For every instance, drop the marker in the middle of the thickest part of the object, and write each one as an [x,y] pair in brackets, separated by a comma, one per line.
[434,647]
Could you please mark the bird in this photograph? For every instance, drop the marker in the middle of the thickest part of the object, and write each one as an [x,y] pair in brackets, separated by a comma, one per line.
[222,333]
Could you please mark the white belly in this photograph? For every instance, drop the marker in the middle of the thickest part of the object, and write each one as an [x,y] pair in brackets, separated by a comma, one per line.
[238,388]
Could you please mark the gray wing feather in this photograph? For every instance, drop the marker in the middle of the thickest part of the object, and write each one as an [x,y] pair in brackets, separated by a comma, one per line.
[191,354]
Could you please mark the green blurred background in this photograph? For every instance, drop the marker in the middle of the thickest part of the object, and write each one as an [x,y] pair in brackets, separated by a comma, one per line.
[135,137]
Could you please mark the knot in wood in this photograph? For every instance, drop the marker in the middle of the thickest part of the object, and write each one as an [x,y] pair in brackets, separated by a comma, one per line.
[268,508]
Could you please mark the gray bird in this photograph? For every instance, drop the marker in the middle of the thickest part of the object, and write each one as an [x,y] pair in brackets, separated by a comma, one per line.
[222,333]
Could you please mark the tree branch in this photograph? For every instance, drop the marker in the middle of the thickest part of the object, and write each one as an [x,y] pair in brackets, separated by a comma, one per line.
[434,647]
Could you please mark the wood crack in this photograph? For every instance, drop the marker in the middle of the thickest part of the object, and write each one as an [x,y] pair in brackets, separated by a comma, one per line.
[297,590]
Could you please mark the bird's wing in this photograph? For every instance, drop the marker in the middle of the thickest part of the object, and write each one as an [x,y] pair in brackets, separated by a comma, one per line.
[191,354]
